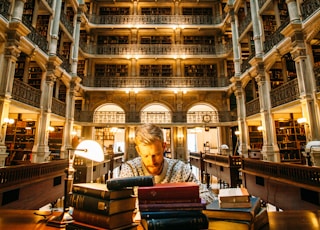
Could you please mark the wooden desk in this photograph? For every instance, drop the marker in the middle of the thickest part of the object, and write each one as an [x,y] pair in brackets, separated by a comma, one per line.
[304,220]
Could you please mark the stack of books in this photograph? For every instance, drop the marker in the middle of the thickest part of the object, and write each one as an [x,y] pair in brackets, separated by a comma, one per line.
[172,206]
[236,209]
[96,207]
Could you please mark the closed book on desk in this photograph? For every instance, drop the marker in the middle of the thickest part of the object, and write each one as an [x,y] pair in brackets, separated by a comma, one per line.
[173,206]
[234,195]
[214,211]
[101,206]
[169,213]
[170,192]
[198,221]
[258,222]
[78,225]
[104,221]
[100,191]
[120,183]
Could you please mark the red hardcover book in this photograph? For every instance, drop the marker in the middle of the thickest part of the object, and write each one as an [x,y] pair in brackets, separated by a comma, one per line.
[172,206]
[178,192]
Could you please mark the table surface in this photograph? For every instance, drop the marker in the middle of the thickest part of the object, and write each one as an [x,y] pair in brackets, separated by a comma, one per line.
[27,220]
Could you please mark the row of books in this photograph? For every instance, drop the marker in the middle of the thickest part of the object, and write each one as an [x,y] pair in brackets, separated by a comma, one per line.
[172,206]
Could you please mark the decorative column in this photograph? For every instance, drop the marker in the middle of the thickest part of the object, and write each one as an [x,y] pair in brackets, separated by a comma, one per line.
[305,74]
[242,124]
[238,89]
[9,52]
[270,149]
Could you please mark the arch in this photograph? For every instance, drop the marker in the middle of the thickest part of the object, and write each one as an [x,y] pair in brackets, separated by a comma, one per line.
[109,113]
[155,113]
[202,112]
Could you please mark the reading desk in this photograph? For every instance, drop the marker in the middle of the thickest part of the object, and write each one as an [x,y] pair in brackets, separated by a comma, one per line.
[26,220]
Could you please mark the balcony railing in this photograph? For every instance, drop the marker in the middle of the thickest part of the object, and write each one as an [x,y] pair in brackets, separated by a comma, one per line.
[158,82]
[177,51]
[285,93]
[58,107]
[4,8]
[128,21]
[253,107]
[308,7]
[244,24]
[67,24]
[276,37]
[26,94]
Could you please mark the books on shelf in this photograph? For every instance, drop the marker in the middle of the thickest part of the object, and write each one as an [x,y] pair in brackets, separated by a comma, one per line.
[120,183]
[102,206]
[179,192]
[101,191]
[215,211]
[105,221]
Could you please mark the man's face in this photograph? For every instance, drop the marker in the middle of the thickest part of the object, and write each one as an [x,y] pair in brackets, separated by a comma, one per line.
[152,156]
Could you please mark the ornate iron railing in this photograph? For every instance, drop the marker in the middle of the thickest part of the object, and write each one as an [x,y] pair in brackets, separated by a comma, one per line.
[309,7]
[285,93]
[177,51]
[25,93]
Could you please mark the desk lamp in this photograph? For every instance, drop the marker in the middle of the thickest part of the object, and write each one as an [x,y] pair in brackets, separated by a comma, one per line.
[87,149]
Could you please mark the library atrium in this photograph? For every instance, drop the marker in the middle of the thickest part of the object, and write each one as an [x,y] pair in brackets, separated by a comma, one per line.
[234,84]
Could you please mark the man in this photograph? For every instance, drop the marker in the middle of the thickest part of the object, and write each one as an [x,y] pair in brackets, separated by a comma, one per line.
[150,146]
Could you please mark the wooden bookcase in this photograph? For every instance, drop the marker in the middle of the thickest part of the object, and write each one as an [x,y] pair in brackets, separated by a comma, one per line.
[113,40]
[156,70]
[199,40]
[200,70]
[55,141]
[276,78]
[291,140]
[197,11]
[256,140]
[156,11]
[19,141]
[156,40]
[42,24]
[114,11]
[35,76]
[20,67]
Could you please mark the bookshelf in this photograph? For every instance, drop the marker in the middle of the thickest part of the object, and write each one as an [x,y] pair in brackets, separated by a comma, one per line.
[200,70]
[19,141]
[201,40]
[55,141]
[113,40]
[35,75]
[291,139]
[156,70]
[269,24]
[156,40]
[197,11]
[114,11]
[42,24]
[255,136]
[156,11]
[81,68]
[276,78]
[104,136]
[20,67]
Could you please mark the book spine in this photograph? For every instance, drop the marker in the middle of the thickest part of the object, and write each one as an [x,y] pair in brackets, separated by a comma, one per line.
[170,193]
[191,223]
[91,192]
[91,218]
[166,214]
[160,201]
[173,206]
[119,183]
